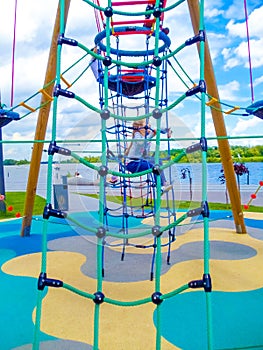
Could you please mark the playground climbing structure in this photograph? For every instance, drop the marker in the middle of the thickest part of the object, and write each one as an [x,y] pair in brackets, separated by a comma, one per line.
[139,75]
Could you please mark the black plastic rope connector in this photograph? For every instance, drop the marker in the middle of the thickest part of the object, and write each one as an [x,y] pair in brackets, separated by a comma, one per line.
[157,12]
[53,148]
[43,281]
[205,283]
[101,232]
[49,211]
[201,87]
[194,212]
[203,144]
[67,41]
[205,211]
[62,92]
[156,231]
[202,35]
[195,39]
[193,148]
[157,169]
[105,114]
[196,284]
[157,114]
[98,298]
[157,61]
[156,298]
[107,61]
[200,146]
[108,12]
[103,170]
[202,210]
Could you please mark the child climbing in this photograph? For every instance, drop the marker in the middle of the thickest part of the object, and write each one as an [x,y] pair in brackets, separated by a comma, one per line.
[139,151]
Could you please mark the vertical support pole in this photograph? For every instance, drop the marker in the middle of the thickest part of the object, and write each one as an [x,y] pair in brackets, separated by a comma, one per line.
[41,126]
[2,179]
[218,119]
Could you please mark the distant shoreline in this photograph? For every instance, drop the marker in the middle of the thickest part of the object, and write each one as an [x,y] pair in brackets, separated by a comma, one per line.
[18,163]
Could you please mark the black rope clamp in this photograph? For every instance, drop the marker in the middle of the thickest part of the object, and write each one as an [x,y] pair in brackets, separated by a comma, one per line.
[107,61]
[200,146]
[103,170]
[53,148]
[157,61]
[62,92]
[157,113]
[105,114]
[156,298]
[205,283]
[108,12]
[101,232]
[67,41]
[157,12]
[195,39]
[156,231]
[43,281]
[194,212]
[203,210]
[49,211]
[98,298]
[157,169]
[201,87]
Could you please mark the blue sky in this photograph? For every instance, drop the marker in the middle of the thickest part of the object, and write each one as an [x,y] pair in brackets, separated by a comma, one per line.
[226,32]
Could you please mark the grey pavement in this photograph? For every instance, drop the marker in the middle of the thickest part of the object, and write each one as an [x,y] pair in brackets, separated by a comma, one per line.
[215,194]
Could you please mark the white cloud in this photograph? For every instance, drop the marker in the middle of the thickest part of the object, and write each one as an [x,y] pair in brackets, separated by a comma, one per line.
[230,91]
[258,81]
[239,53]
[245,126]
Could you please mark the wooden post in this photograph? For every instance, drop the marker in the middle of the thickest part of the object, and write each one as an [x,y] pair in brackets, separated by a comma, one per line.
[218,119]
[41,126]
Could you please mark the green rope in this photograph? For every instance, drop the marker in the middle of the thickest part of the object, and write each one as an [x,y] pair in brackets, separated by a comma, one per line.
[204,183]
[103,171]
[125,303]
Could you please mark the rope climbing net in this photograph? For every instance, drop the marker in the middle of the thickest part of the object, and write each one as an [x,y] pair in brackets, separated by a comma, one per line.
[123,75]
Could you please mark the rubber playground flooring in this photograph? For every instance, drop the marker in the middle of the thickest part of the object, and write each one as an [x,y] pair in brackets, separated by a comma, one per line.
[236,267]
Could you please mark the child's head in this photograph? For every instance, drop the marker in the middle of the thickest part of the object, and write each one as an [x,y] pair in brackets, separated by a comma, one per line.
[139,126]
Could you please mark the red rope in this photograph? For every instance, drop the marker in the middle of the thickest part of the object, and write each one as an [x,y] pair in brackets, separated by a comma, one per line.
[13,58]
[249,55]
[97,12]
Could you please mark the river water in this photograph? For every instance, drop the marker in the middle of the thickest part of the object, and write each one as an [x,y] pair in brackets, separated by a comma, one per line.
[16,176]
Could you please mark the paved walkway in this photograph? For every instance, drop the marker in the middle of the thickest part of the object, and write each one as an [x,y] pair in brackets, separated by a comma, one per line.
[215,194]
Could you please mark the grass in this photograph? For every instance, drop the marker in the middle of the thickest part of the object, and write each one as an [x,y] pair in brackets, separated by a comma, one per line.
[16,202]
[178,204]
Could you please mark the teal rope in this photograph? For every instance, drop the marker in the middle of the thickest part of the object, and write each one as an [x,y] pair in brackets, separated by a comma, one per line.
[49,186]
[204,184]
[102,179]
[125,303]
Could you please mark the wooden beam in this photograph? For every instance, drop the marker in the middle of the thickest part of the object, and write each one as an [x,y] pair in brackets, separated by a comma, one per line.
[42,126]
[218,119]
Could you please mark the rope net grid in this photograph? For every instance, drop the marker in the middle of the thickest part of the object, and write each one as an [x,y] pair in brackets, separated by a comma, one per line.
[132,88]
